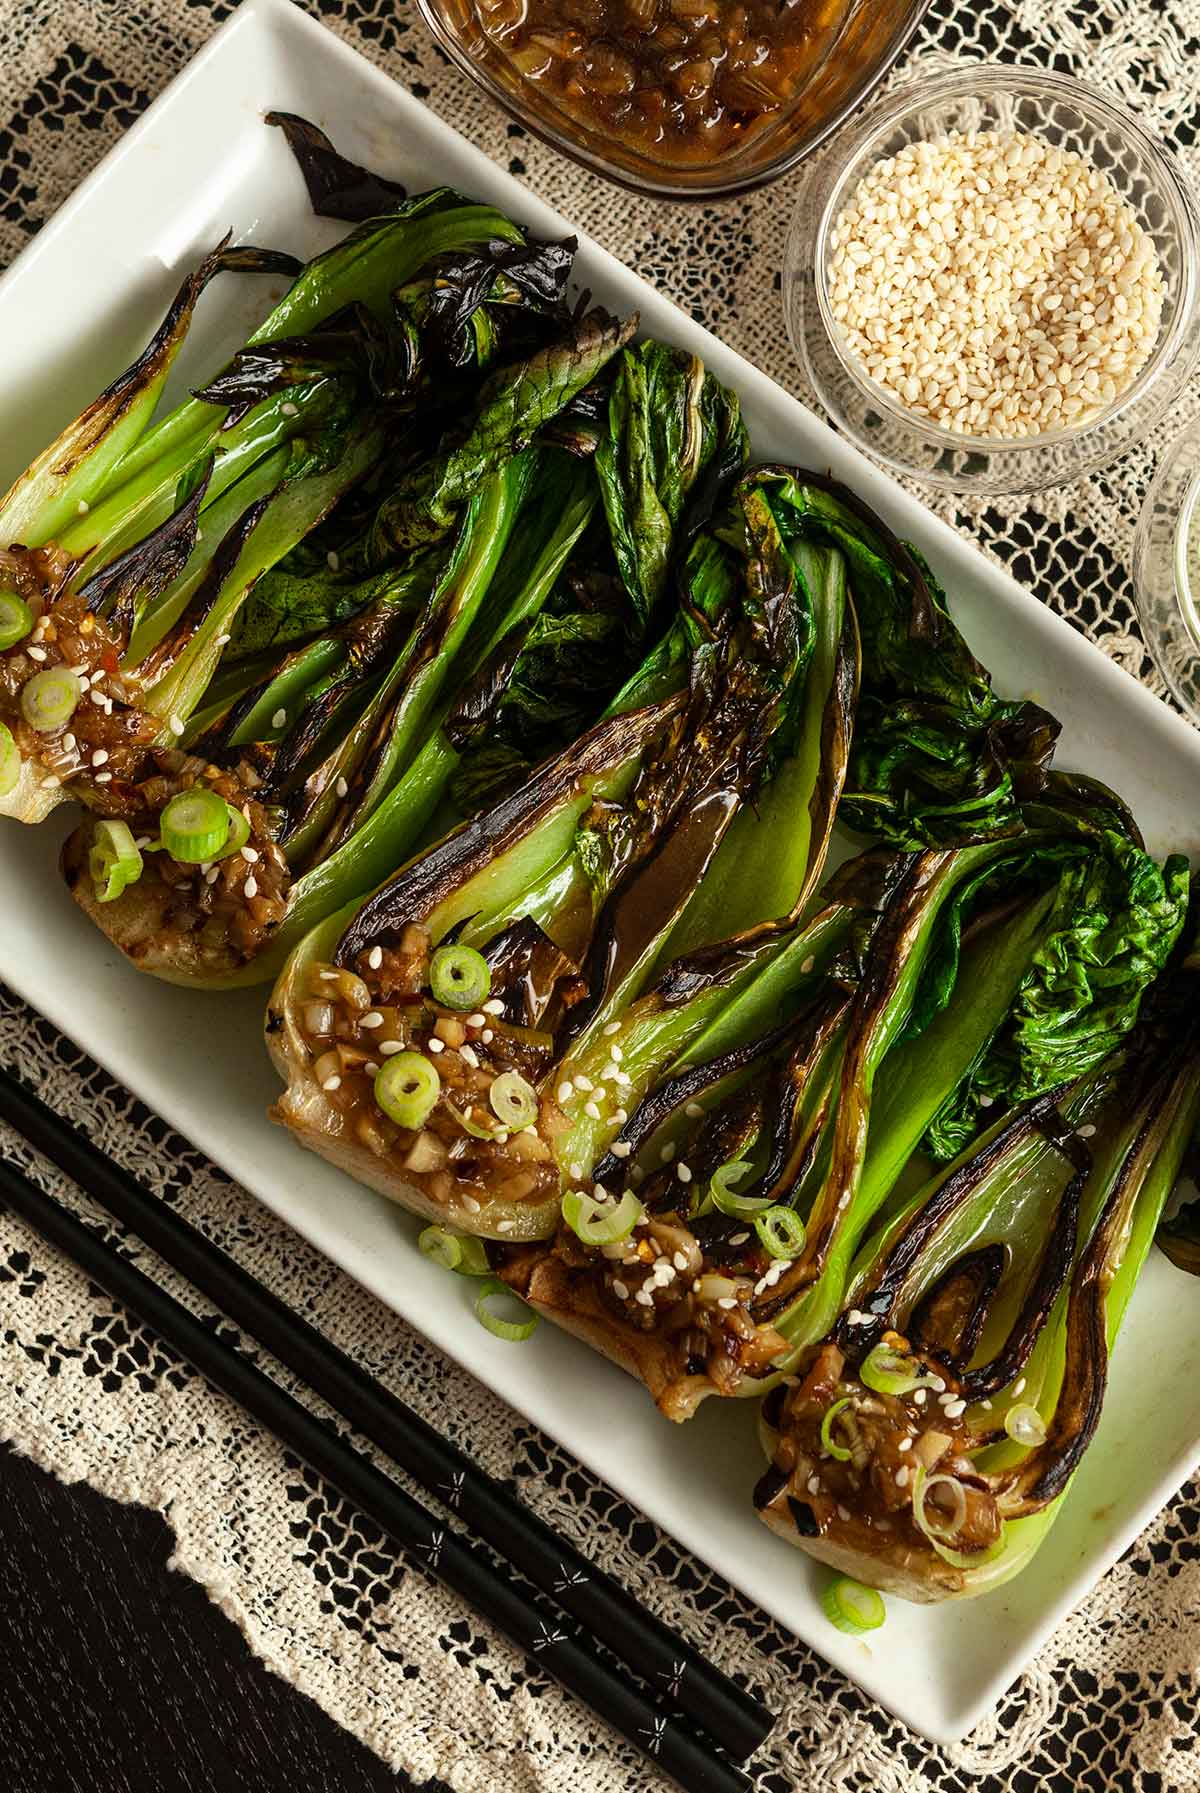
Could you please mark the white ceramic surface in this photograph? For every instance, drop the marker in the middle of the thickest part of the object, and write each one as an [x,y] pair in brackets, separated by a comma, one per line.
[73,311]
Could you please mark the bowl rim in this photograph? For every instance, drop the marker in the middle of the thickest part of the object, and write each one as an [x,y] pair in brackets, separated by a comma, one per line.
[910,16]
[963,80]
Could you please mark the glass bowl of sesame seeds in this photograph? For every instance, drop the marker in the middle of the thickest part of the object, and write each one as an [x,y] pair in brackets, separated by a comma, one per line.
[992,281]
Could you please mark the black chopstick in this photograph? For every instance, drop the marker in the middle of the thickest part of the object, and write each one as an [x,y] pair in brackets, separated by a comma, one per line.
[446,1555]
[608,1612]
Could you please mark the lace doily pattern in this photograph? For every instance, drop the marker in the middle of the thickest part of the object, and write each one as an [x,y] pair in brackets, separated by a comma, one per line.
[1111,1701]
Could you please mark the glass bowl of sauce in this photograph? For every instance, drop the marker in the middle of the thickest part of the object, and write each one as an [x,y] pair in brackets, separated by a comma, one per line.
[678,98]
[1166,569]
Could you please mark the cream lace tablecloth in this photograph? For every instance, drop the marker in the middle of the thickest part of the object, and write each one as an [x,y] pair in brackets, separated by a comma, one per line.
[1111,1701]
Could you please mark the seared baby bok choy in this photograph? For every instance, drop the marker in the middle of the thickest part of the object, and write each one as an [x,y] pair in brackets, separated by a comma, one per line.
[926,1442]
[924,990]
[518,941]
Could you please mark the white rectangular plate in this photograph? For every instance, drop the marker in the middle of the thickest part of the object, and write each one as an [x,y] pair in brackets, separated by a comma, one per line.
[166,194]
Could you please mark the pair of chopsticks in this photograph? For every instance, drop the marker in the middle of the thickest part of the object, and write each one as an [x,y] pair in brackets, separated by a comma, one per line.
[673,1682]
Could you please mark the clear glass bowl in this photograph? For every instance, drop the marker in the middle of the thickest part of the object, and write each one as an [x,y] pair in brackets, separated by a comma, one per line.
[1062,111]
[871,37]
[1166,569]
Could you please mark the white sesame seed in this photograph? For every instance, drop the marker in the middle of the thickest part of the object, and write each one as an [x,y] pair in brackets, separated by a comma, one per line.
[471,1205]
[389,1048]
[693,1111]
[584,1083]
[813,1484]
[279,718]
[329,977]
[104,778]
[738,1238]
[680,1260]
[476,1020]
[251,886]
[68,741]
[341,787]
[624,1079]
[81,509]
[332,561]
[469,1055]
[97,697]
[620,1148]
[620,1289]
[566,1090]
[333,1082]
[644,1297]
[726,1301]
[591,1110]
[36,653]
[955,1409]
[667,1153]
[370,1067]
[576,1171]
[504,1226]
[1088,1131]
[683,1172]
[1019,1386]
[843,1514]
[223,640]
[493,1007]
[289,409]
[212,874]
[51,782]
[921,1396]
[375,958]
[176,726]
[620,1115]
[372,1019]
[612,1028]
[487,1036]
[617,1054]
[902,1476]
[100,757]
[905,1444]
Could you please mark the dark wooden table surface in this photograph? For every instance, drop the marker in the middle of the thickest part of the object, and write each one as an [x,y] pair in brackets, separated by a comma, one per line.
[118,1675]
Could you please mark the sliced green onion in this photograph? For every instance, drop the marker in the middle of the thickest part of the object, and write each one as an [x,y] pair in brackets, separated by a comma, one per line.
[459,977]
[852,1607]
[195,825]
[937,1530]
[514,1101]
[454,1251]
[114,861]
[890,1372]
[16,619]
[470,1125]
[780,1232]
[407,1088]
[827,1440]
[720,1189]
[1025,1425]
[498,1324]
[10,762]
[239,833]
[49,699]
[601,1223]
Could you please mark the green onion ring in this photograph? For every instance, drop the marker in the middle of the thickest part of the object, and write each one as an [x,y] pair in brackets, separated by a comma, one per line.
[459,977]
[780,1232]
[16,619]
[49,699]
[407,1088]
[514,1101]
[454,1251]
[194,825]
[513,1330]
[601,1223]
[114,862]
[852,1607]
[890,1372]
[827,1441]
[239,833]
[1025,1425]
[737,1207]
[958,1559]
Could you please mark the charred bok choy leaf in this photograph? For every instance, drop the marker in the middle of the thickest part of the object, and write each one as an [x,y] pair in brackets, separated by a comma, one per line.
[560,900]
[929,1439]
